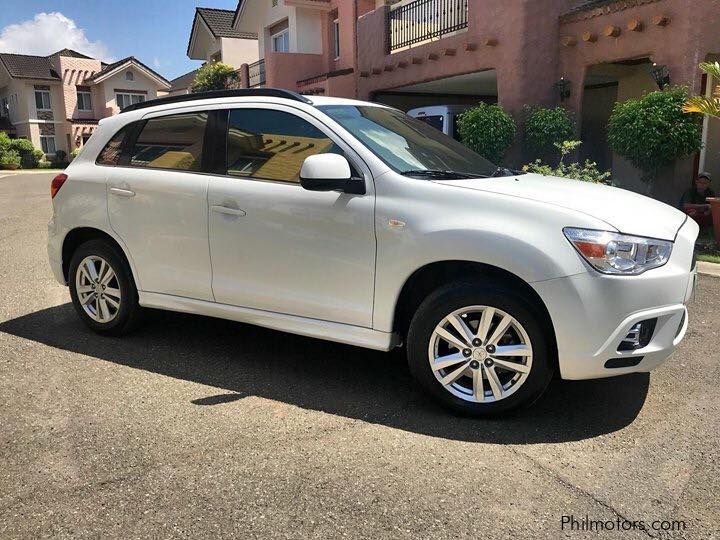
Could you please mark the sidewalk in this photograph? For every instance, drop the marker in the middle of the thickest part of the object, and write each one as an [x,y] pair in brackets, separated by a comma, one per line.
[708,268]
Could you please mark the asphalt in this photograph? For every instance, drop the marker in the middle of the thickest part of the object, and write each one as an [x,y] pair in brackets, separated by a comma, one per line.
[201,428]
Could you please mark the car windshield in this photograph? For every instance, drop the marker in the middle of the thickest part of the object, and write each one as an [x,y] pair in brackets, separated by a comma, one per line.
[409,146]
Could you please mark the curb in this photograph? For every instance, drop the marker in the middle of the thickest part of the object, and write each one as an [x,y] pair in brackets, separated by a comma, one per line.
[708,268]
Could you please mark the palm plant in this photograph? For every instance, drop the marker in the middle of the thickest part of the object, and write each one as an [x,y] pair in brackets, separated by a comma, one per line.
[702,104]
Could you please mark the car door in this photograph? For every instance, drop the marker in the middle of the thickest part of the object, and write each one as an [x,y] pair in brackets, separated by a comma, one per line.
[157,204]
[276,246]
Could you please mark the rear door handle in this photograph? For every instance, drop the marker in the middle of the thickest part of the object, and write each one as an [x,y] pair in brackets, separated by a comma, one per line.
[120,192]
[226,210]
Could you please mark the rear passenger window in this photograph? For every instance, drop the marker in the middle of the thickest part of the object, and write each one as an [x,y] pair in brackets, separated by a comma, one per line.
[272,145]
[110,155]
[171,142]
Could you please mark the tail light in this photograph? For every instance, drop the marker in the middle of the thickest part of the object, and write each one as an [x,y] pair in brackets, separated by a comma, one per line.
[57,183]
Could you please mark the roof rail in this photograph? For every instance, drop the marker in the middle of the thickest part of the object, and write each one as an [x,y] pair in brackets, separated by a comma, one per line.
[244,92]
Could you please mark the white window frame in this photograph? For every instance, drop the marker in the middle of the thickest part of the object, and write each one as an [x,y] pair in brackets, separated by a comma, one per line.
[285,34]
[42,100]
[45,139]
[336,38]
[89,100]
[130,96]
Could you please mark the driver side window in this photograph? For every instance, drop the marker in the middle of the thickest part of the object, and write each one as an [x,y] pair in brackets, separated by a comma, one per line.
[272,145]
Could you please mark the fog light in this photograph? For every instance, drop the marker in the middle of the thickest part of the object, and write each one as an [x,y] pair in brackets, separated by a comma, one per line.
[638,336]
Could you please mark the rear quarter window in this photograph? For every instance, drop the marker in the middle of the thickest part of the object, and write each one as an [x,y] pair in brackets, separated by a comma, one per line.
[110,155]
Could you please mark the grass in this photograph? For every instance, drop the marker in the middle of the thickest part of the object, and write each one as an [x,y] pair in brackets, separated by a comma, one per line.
[707,248]
[709,258]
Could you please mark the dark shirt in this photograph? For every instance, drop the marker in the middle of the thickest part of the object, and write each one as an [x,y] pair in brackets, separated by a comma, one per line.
[691,196]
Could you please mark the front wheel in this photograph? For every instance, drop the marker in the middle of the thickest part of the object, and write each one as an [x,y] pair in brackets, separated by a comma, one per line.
[479,349]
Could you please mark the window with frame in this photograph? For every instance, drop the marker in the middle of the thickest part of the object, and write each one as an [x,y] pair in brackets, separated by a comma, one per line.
[4,108]
[47,143]
[281,41]
[336,37]
[129,76]
[84,99]
[42,100]
[272,145]
[110,155]
[127,99]
[171,142]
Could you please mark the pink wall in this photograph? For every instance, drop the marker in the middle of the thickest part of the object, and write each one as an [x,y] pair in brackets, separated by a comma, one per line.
[285,69]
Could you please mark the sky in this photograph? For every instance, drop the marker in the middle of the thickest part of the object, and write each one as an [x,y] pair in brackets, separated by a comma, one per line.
[154,31]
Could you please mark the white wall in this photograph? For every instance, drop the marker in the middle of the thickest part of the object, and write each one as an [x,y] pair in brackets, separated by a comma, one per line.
[141,82]
[306,31]
[236,52]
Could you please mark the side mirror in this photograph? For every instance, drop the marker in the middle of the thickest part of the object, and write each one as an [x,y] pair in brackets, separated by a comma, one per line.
[329,172]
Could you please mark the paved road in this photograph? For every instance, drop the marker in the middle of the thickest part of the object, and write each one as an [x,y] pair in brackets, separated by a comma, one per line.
[198,428]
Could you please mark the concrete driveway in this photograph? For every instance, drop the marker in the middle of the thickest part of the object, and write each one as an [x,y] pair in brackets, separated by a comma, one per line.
[200,428]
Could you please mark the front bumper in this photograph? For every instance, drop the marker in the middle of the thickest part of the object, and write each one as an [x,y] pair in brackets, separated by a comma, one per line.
[592,313]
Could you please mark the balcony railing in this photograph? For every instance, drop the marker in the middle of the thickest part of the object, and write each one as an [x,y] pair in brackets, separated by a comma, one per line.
[256,73]
[424,20]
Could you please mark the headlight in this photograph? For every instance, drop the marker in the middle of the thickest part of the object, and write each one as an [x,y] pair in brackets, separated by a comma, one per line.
[613,253]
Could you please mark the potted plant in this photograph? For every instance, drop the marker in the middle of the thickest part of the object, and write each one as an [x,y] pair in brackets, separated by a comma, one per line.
[10,160]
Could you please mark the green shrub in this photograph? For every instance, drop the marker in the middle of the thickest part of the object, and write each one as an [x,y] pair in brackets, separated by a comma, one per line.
[44,165]
[28,154]
[212,76]
[10,159]
[652,131]
[488,130]
[4,142]
[74,153]
[546,127]
[587,172]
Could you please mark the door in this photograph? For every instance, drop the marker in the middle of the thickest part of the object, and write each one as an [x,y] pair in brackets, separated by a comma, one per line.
[157,204]
[276,246]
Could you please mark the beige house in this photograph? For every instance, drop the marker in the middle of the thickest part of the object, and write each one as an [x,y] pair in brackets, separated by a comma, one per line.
[57,101]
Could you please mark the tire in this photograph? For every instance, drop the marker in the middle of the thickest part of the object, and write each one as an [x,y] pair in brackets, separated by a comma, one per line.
[106,319]
[473,392]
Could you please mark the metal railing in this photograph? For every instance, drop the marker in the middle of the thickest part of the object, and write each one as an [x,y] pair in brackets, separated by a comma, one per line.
[256,74]
[423,20]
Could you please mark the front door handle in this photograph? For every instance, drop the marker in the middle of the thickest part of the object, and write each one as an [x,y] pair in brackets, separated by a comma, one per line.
[226,210]
[120,192]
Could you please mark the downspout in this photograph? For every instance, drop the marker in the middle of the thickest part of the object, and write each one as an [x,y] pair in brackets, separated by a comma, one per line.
[356,61]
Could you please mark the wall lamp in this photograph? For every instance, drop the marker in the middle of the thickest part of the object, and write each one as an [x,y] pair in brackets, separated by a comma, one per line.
[661,74]
[563,88]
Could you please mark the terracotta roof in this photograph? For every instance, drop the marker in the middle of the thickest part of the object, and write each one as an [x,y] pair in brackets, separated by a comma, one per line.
[587,9]
[130,59]
[183,81]
[220,22]
[24,66]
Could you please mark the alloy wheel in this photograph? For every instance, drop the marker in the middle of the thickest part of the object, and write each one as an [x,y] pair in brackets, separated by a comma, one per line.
[480,354]
[98,289]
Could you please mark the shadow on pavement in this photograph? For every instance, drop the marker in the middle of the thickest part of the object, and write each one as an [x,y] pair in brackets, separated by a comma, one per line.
[242,360]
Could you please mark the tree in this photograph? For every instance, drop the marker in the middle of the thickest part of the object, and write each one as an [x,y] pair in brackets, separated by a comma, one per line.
[212,76]
[488,130]
[702,104]
[652,131]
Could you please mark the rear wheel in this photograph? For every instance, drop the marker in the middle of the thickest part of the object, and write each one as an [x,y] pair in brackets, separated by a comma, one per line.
[102,288]
[479,349]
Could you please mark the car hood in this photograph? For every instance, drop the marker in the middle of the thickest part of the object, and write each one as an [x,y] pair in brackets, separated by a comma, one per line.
[628,212]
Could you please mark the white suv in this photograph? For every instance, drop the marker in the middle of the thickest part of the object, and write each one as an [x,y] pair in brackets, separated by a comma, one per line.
[352,222]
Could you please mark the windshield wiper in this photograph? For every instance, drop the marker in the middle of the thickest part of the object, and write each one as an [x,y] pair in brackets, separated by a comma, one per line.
[436,173]
[504,171]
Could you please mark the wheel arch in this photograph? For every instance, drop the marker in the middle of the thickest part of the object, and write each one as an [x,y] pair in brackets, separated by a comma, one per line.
[436,274]
[78,236]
